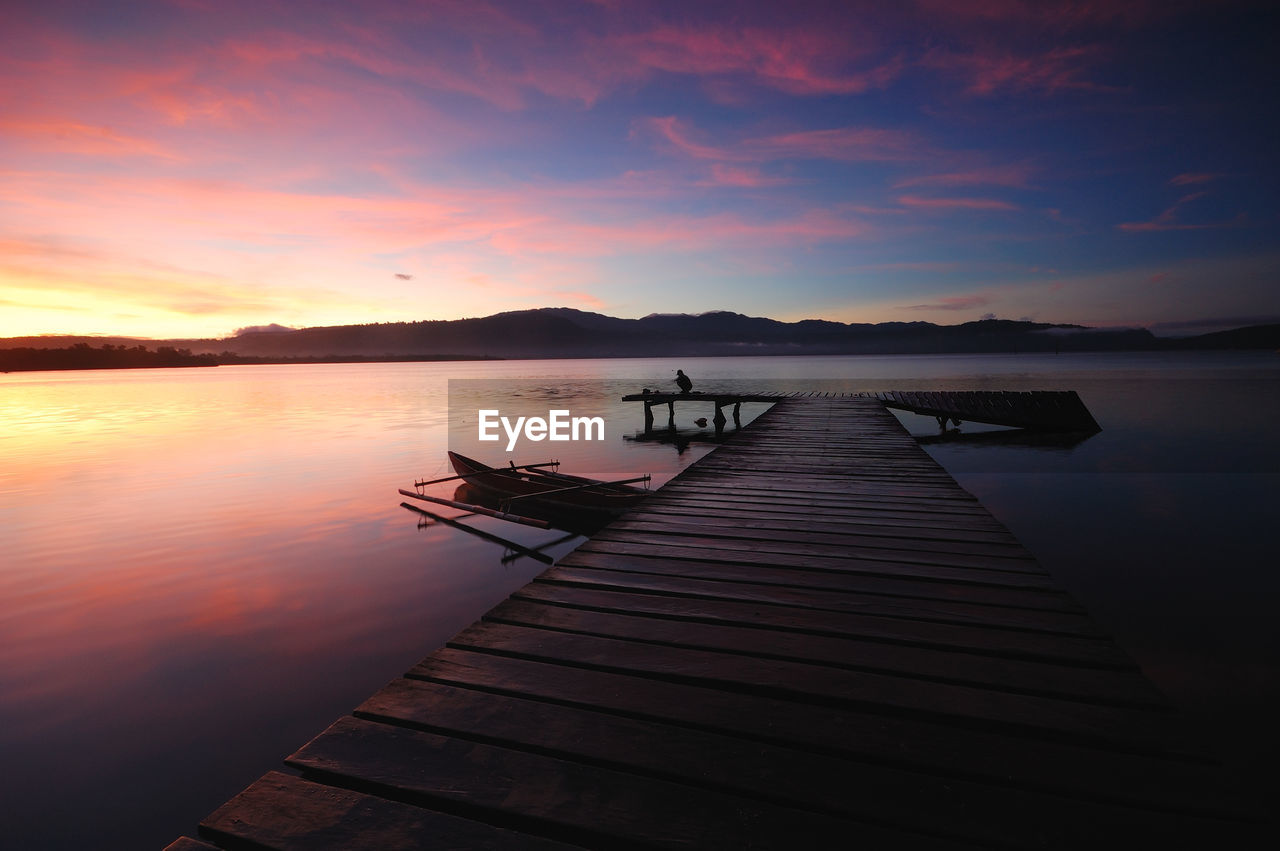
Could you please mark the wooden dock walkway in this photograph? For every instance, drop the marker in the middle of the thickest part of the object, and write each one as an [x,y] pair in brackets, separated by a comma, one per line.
[811,637]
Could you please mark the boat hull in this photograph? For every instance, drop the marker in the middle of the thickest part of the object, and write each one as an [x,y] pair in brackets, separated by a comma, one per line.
[527,487]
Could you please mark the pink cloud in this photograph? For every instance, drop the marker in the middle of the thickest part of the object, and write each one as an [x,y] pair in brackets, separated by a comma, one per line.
[847,144]
[73,137]
[743,177]
[850,144]
[796,61]
[1055,14]
[989,71]
[1015,176]
[585,299]
[1170,219]
[671,130]
[955,203]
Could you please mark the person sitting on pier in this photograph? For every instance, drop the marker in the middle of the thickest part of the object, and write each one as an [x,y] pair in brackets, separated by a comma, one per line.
[683,381]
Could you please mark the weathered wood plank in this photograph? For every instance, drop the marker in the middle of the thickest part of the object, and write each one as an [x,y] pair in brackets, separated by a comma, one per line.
[1120,688]
[980,638]
[807,682]
[894,550]
[853,513]
[284,812]
[893,490]
[186,843]
[770,773]
[875,579]
[994,755]
[956,512]
[919,536]
[580,803]
[647,575]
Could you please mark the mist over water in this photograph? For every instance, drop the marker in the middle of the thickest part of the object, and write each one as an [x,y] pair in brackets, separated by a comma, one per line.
[201,569]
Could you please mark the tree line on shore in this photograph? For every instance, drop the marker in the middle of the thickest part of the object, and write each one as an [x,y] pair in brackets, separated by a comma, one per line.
[84,356]
[109,356]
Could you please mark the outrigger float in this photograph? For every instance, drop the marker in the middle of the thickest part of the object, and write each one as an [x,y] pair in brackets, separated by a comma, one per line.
[531,495]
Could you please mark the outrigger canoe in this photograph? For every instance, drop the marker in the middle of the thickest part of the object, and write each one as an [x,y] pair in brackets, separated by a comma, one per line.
[517,487]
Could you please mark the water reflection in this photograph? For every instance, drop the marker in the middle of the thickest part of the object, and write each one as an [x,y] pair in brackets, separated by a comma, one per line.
[216,564]
[1008,437]
[681,439]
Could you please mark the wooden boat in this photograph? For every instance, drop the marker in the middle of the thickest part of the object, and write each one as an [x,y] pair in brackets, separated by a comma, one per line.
[521,488]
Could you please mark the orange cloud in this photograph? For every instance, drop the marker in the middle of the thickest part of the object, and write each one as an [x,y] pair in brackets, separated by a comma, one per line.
[967,302]
[73,137]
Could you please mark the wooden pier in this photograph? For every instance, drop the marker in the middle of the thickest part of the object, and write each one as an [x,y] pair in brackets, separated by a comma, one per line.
[1036,410]
[812,637]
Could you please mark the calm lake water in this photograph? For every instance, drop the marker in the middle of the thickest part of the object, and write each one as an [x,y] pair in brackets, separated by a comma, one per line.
[201,569]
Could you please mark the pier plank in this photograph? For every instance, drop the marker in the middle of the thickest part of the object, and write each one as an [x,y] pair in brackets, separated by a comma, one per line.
[919,537]
[770,773]
[764,548]
[876,579]
[731,582]
[748,638]
[984,639]
[574,802]
[186,843]
[284,812]
[808,682]
[999,756]
[829,530]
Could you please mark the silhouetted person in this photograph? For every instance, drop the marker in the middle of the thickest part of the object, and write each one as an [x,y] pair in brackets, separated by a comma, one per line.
[683,381]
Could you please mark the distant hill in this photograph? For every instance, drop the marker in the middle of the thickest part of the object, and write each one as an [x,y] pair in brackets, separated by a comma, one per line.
[1253,337]
[562,332]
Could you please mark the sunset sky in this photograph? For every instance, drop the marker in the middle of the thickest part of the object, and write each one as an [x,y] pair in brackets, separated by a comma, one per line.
[187,168]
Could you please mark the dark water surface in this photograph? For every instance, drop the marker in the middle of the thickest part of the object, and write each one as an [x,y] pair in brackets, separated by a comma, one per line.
[200,569]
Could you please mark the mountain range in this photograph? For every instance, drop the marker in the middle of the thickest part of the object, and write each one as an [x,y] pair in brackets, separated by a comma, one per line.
[563,332]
